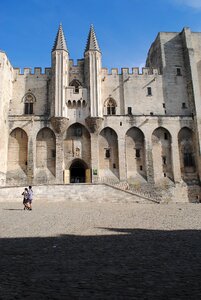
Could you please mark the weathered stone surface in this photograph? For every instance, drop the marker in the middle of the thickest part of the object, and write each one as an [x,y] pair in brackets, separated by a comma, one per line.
[94,124]
[123,126]
[59,124]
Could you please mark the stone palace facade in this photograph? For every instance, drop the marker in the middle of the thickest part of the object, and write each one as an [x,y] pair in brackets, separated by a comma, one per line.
[82,123]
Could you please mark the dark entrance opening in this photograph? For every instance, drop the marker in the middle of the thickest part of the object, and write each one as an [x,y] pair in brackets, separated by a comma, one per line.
[77,172]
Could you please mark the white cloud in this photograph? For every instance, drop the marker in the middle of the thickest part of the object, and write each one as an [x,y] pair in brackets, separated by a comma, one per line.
[190,3]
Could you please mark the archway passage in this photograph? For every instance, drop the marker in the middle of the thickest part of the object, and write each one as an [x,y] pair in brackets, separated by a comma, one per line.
[78,172]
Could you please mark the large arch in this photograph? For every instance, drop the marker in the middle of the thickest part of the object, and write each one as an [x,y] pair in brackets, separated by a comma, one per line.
[77,145]
[46,151]
[187,155]
[162,154]
[135,154]
[17,156]
[78,171]
[108,154]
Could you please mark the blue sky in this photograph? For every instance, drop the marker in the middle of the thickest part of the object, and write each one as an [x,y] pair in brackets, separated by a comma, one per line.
[125,28]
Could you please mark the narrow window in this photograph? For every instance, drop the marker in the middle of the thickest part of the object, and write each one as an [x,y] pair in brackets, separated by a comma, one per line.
[165,136]
[107,153]
[183,105]
[141,168]
[114,166]
[113,110]
[137,153]
[28,108]
[149,93]
[178,71]
[164,160]
[120,123]
[129,110]
[53,153]
[163,105]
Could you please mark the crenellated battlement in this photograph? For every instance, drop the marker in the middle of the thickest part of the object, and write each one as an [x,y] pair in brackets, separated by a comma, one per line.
[128,71]
[28,71]
[79,63]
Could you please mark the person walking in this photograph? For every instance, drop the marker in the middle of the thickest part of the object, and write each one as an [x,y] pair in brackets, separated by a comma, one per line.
[25,199]
[30,197]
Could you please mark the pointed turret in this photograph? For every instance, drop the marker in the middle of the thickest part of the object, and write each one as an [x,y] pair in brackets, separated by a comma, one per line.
[92,68]
[92,43]
[60,41]
[60,74]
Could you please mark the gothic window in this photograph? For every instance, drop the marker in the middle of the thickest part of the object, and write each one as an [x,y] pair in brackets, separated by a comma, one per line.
[76,83]
[111,106]
[29,100]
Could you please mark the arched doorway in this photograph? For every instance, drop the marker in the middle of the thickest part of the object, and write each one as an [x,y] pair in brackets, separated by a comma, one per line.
[78,172]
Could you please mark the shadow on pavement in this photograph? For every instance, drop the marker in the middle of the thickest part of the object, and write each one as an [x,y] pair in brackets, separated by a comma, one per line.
[126,264]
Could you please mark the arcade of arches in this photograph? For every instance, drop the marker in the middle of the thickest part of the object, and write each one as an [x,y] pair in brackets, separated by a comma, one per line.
[80,162]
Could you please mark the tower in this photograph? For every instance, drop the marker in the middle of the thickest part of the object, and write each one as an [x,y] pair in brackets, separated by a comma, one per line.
[92,57]
[60,74]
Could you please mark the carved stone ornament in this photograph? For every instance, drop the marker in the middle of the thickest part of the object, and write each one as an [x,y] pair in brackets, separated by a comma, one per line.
[59,124]
[94,123]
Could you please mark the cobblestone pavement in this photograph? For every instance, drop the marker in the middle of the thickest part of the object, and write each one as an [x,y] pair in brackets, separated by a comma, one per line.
[74,250]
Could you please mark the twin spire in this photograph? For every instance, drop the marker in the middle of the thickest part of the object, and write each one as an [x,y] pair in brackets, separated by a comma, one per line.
[60,41]
[92,43]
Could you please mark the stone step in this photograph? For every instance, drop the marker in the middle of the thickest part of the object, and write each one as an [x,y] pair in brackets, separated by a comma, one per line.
[73,192]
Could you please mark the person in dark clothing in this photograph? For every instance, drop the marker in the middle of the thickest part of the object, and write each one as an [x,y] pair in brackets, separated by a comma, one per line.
[25,199]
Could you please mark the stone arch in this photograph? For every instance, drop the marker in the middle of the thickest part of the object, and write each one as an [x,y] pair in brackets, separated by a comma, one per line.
[78,170]
[135,153]
[17,155]
[108,154]
[77,84]
[186,141]
[110,106]
[162,153]
[77,145]
[46,152]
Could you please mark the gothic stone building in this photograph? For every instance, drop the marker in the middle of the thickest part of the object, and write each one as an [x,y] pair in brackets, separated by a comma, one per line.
[82,123]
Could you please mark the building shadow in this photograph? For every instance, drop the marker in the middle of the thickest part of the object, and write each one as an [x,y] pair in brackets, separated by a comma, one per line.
[122,264]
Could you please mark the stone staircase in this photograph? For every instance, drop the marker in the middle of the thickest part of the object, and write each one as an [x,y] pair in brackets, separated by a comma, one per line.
[79,192]
[146,191]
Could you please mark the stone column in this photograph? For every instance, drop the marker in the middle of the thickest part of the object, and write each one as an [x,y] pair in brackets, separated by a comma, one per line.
[30,160]
[176,168]
[59,158]
[149,160]
[122,158]
[94,157]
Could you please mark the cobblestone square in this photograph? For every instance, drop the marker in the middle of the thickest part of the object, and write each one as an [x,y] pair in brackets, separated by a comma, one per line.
[88,250]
